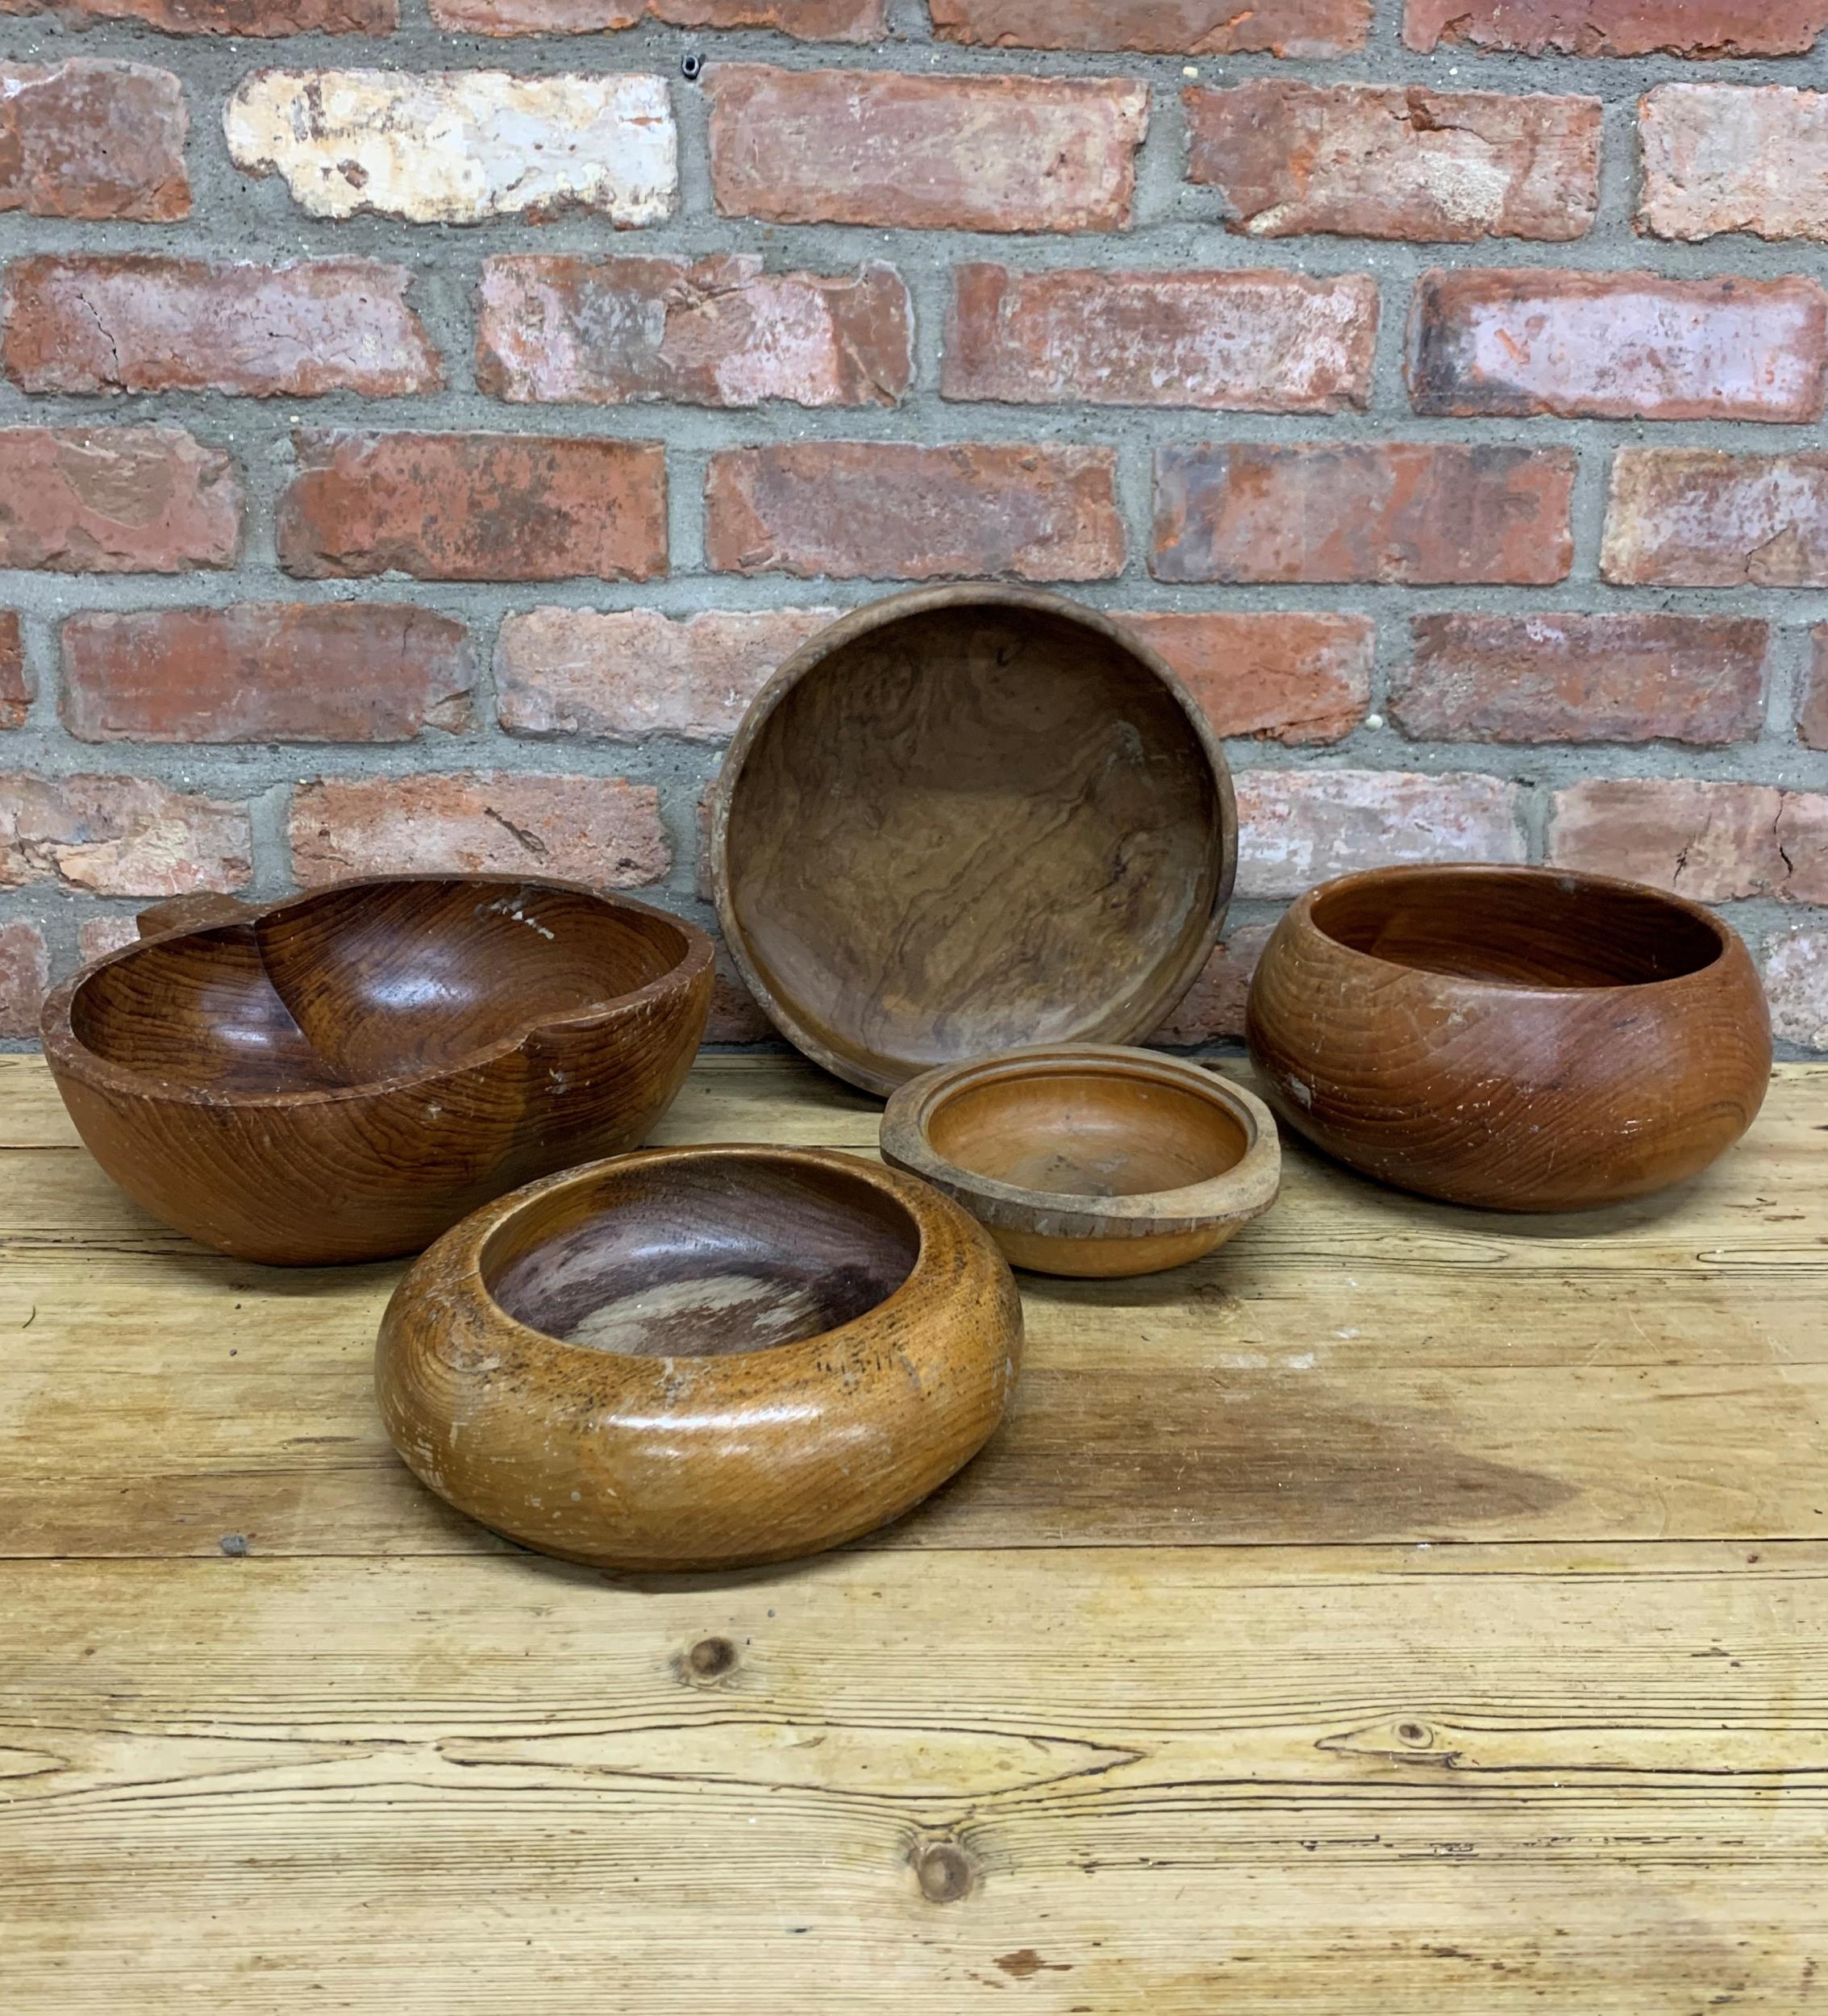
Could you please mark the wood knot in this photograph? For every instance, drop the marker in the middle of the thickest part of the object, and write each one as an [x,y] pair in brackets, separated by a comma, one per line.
[943,1871]
[1417,1735]
[710,1659]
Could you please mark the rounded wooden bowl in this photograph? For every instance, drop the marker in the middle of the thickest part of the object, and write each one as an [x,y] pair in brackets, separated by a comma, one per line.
[1090,1159]
[341,1075]
[968,818]
[1523,1039]
[698,1358]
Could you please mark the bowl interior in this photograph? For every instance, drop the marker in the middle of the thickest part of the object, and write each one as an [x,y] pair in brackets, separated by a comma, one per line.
[1518,929]
[970,828]
[1086,1133]
[702,1256]
[367,982]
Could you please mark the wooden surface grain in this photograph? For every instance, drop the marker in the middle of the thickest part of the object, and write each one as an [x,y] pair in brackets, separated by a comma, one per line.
[1404,1608]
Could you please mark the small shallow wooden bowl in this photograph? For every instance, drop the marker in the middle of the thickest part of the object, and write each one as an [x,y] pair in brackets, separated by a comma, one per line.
[1523,1039]
[1090,1159]
[699,1358]
[341,1075]
[968,818]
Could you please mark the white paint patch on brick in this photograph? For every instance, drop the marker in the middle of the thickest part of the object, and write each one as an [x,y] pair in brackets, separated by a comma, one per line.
[1796,976]
[457,147]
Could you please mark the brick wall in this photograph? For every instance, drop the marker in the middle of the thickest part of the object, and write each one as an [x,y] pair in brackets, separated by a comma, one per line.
[426,422]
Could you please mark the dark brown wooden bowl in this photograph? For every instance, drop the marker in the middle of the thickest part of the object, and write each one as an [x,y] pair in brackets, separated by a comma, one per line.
[967,819]
[1090,1159]
[1523,1039]
[699,1358]
[341,1075]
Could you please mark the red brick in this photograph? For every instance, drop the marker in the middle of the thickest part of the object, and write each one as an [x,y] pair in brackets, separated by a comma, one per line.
[474,507]
[1392,512]
[812,20]
[1712,841]
[627,674]
[142,323]
[1284,677]
[115,501]
[265,672]
[1297,827]
[1812,716]
[16,681]
[1160,27]
[25,977]
[1401,161]
[886,512]
[97,937]
[1617,346]
[964,153]
[1619,27]
[717,332]
[120,837]
[603,830]
[1577,678]
[1795,977]
[1697,518]
[735,1015]
[1212,1010]
[1244,342]
[91,140]
[1720,157]
[227,16]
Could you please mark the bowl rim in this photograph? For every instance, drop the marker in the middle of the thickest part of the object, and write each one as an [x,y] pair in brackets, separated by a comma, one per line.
[881,614]
[65,1051]
[1236,1195]
[1300,915]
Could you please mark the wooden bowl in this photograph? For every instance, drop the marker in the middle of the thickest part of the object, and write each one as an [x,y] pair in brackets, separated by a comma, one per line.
[700,1358]
[1523,1039]
[1088,1160]
[342,1076]
[965,818]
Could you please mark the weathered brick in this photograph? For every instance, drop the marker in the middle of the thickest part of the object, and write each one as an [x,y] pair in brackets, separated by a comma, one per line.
[25,976]
[115,500]
[1795,977]
[1721,157]
[1297,827]
[1619,27]
[474,507]
[1392,511]
[228,17]
[1617,346]
[1212,1010]
[603,830]
[736,1017]
[1812,715]
[964,153]
[888,511]
[458,146]
[1244,342]
[1632,677]
[90,140]
[812,20]
[120,837]
[1401,161]
[142,323]
[1160,27]
[16,681]
[627,674]
[97,937]
[1283,676]
[719,332]
[264,672]
[1712,841]
[1697,517]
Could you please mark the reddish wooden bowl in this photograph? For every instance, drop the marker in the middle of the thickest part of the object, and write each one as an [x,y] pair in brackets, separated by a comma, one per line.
[341,1075]
[1523,1039]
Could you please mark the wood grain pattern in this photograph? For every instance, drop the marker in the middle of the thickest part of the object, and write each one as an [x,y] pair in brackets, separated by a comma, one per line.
[1525,1040]
[341,1075]
[967,819]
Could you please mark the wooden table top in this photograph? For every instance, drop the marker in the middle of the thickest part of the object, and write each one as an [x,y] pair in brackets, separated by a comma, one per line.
[1405,1609]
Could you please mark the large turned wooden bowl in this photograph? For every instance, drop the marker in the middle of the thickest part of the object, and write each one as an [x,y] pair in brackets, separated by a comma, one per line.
[968,818]
[700,1358]
[1522,1039]
[342,1076]
[1090,1159]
